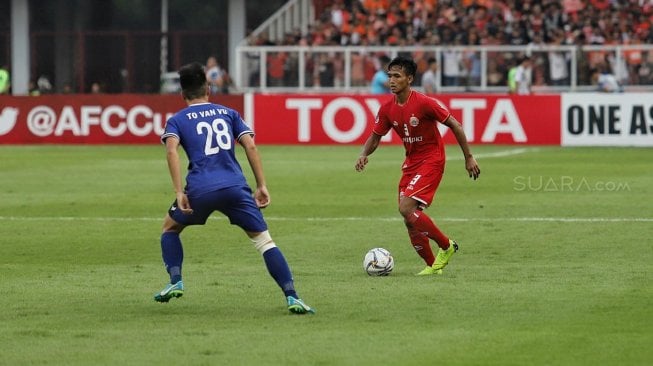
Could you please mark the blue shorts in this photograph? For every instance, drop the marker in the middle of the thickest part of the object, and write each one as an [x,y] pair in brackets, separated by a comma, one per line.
[235,202]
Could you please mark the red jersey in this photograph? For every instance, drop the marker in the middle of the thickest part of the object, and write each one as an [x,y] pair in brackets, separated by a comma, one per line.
[416,123]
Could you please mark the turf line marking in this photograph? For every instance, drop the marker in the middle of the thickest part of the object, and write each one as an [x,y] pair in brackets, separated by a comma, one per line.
[326,219]
[498,154]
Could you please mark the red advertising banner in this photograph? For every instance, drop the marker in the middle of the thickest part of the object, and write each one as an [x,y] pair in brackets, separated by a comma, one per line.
[91,119]
[277,119]
[338,119]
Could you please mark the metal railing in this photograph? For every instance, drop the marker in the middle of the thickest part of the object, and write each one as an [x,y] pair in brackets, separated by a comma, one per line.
[292,16]
[289,69]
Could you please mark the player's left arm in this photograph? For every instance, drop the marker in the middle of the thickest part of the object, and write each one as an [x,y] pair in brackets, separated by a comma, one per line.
[261,194]
[174,167]
[470,163]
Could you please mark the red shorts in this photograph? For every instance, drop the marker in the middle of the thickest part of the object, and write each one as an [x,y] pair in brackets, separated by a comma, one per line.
[421,182]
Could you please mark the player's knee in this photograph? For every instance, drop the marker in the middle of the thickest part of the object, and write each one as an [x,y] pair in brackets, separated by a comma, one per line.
[406,210]
[263,241]
[170,225]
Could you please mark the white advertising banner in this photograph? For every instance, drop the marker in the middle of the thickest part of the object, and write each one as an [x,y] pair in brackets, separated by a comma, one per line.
[602,119]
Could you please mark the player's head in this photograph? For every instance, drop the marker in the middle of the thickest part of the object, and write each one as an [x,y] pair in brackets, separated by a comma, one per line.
[404,64]
[401,72]
[432,62]
[192,79]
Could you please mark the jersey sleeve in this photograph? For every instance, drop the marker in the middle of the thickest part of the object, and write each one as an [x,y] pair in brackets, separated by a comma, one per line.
[240,128]
[171,130]
[441,112]
[381,123]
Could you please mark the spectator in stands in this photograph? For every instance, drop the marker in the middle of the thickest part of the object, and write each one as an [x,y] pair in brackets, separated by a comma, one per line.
[33,89]
[380,80]
[44,85]
[96,88]
[358,60]
[558,62]
[326,71]
[276,68]
[452,65]
[646,69]
[606,81]
[4,80]
[523,76]
[216,76]
[429,78]
[511,78]
[472,61]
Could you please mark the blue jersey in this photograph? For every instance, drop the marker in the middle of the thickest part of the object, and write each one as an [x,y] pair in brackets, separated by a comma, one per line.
[209,133]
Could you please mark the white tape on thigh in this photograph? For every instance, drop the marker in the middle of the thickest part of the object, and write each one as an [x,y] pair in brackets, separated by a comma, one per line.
[263,242]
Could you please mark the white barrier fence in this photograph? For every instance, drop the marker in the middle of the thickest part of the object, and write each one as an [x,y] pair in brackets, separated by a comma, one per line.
[461,68]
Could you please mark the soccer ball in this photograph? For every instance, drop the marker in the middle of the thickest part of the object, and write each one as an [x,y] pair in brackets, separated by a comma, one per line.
[378,262]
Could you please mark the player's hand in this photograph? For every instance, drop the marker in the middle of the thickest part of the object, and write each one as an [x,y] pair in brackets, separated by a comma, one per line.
[183,204]
[360,163]
[262,197]
[472,167]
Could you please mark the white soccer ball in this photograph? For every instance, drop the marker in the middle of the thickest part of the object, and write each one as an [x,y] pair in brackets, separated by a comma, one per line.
[378,262]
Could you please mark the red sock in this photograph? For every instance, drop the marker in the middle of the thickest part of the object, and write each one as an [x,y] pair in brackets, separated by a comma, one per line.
[423,223]
[421,245]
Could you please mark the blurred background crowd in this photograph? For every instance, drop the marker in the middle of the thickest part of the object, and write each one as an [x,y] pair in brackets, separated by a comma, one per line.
[479,23]
[113,46]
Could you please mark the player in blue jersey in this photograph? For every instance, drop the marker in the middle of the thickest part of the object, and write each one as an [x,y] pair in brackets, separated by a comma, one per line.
[209,133]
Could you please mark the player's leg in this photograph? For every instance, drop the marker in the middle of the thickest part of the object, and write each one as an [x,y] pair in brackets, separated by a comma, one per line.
[172,249]
[173,256]
[419,240]
[278,268]
[420,243]
[417,190]
[421,222]
[248,216]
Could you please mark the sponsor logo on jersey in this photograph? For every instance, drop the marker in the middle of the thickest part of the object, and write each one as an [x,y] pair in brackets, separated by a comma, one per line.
[412,139]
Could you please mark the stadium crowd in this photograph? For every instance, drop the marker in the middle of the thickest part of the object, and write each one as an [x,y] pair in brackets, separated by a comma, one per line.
[475,22]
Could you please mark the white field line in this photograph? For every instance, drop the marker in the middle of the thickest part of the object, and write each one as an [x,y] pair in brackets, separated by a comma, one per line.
[336,219]
[498,154]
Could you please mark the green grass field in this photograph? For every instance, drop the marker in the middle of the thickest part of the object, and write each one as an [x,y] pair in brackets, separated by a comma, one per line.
[554,266]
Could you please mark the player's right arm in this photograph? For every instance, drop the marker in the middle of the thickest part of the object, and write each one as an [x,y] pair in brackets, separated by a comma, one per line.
[370,146]
[174,167]
[381,127]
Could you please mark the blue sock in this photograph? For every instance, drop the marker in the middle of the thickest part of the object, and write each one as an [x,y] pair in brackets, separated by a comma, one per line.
[173,254]
[279,270]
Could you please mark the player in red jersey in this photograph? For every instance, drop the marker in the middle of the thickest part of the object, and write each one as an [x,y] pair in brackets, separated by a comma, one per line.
[414,117]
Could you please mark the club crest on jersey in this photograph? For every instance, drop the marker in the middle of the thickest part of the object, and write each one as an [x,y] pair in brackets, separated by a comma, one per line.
[413,121]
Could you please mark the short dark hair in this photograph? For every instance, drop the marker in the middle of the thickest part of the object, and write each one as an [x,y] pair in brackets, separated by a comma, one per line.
[407,64]
[192,79]
[432,60]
